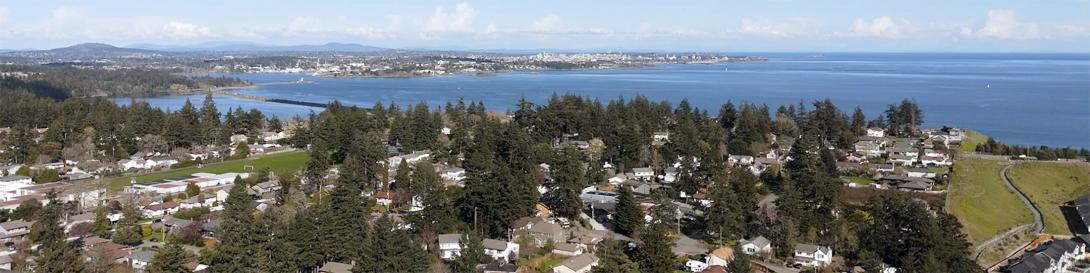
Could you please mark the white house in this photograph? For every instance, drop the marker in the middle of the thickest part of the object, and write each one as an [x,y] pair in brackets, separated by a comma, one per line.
[935,161]
[920,172]
[756,245]
[454,174]
[721,256]
[868,149]
[876,132]
[450,245]
[643,173]
[813,255]
[16,180]
[140,259]
[670,175]
[579,264]
[740,160]
[500,250]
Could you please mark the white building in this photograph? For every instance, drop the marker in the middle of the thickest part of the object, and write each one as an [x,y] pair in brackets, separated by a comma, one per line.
[876,132]
[176,185]
[450,246]
[813,255]
[756,245]
[500,250]
[643,173]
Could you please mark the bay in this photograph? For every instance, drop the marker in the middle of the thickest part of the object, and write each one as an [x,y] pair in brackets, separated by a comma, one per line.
[1029,99]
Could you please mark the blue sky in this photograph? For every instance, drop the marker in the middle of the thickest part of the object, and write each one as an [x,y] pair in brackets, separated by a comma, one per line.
[773,25]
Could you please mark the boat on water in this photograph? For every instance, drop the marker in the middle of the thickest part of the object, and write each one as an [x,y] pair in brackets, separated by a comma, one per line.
[301,81]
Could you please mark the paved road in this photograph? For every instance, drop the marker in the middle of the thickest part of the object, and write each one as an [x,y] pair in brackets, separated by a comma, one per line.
[688,246]
[775,267]
[1038,221]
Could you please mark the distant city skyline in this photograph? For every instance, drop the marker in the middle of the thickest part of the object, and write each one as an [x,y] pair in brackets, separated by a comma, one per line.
[774,25]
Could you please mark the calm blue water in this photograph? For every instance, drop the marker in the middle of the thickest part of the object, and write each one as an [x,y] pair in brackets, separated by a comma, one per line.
[1037,99]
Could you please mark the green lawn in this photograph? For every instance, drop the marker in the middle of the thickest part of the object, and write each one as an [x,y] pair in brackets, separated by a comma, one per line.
[278,163]
[1050,184]
[972,139]
[980,200]
[858,180]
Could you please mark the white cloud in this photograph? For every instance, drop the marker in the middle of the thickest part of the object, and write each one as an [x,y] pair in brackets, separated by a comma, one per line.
[1003,24]
[180,30]
[460,20]
[781,28]
[4,14]
[883,26]
[65,13]
[546,24]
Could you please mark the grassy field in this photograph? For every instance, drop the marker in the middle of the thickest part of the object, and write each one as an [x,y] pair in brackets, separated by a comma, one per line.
[1050,184]
[278,163]
[972,138]
[981,202]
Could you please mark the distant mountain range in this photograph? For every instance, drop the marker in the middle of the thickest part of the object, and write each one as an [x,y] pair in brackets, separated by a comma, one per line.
[253,47]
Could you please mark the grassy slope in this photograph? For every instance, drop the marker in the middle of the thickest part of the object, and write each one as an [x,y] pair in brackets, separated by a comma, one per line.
[981,202]
[1048,185]
[278,163]
[972,138]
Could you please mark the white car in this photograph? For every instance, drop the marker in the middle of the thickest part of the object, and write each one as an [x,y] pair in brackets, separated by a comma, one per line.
[696,266]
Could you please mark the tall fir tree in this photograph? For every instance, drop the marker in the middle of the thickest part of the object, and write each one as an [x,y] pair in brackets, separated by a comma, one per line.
[568,175]
[392,250]
[237,247]
[101,226]
[55,254]
[629,218]
[655,254]
[612,259]
[170,259]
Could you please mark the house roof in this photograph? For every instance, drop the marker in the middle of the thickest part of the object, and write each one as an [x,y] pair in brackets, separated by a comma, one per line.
[335,267]
[760,241]
[144,256]
[642,170]
[724,253]
[11,178]
[567,247]
[452,238]
[715,269]
[1042,258]
[547,228]
[494,244]
[81,217]
[94,240]
[14,224]
[580,262]
[808,248]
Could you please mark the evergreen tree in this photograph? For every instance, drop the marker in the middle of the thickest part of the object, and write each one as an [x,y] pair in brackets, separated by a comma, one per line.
[612,259]
[859,122]
[276,254]
[170,259]
[210,122]
[101,226]
[347,215]
[315,171]
[655,253]
[724,217]
[569,177]
[236,250]
[392,250]
[402,180]
[306,240]
[727,116]
[55,254]
[425,180]
[628,218]
[127,231]
[741,263]
[191,190]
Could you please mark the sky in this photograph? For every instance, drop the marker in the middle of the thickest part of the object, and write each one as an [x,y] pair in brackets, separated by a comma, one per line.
[768,25]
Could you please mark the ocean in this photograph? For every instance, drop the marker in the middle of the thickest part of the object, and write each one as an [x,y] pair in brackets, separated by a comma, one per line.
[1029,99]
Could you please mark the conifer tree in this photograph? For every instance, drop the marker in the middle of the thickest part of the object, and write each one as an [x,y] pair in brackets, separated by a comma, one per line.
[612,259]
[655,254]
[570,179]
[741,262]
[471,255]
[101,226]
[237,247]
[629,218]
[392,250]
[170,259]
[55,254]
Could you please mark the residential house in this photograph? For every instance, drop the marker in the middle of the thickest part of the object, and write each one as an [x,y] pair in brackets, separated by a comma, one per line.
[617,179]
[16,180]
[14,229]
[589,241]
[935,161]
[645,173]
[756,245]
[1056,256]
[739,160]
[721,256]
[920,172]
[868,148]
[500,250]
[454,174]
[545,232]
[568,249]
[908,183]
[669,175]
[161,209]
[876,132]
[10,169]
[579,264]
[637,187]
[450,245]
[335,267]
[236,139]
[813,255]
[140,260]
[849,167]
[660,137]
[265,187]
[901,159]
[1079,214]
[883,168]
[78,219]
